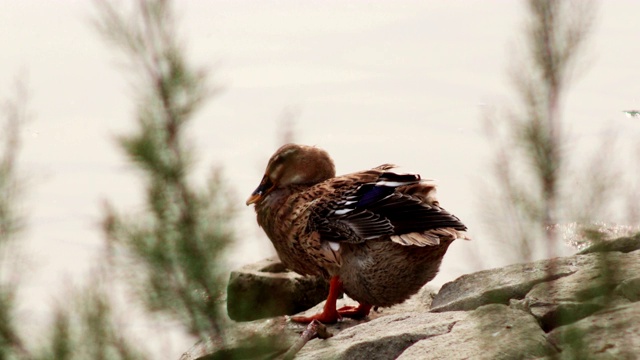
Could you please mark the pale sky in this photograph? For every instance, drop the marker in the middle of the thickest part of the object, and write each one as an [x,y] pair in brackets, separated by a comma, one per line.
[372,82]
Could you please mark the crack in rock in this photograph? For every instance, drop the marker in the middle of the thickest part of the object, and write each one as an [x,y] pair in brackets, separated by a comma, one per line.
[513,282]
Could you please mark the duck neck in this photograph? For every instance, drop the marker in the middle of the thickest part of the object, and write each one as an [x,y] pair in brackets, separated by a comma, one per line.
[276,207]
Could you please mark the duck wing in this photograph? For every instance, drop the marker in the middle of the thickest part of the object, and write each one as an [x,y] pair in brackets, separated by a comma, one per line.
[379,203]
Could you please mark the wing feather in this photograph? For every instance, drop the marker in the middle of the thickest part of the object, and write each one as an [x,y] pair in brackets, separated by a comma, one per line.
[359,211]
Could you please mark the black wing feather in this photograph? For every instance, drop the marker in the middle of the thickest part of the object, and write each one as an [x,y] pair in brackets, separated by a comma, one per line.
[376,209]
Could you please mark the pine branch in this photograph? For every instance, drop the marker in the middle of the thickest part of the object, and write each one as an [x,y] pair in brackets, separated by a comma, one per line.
[174,249]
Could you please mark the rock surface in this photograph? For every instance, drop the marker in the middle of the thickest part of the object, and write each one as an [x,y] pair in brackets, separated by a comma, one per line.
[383,338]
[266,289]
[608,334]
[490,332]
[591,288]
[498,286]
[577,307]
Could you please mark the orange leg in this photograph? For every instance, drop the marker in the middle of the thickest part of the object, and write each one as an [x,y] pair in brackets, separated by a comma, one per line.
[330,314]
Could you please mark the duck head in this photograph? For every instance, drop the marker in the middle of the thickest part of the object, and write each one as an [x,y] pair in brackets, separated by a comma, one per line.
[294,165]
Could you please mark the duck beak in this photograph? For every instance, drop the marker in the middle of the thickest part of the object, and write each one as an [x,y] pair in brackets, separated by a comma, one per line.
[262,189]
[254,198]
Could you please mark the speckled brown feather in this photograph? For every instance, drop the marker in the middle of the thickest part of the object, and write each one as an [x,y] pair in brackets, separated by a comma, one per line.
[315,219]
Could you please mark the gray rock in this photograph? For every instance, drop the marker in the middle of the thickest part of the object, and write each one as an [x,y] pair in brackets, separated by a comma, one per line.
[588,305]
[382,338]
[623,244]
[498,286]
[629,289]
[261,339]
[266,289]
[608,334]
[424,297]
[489,332]
[589,289]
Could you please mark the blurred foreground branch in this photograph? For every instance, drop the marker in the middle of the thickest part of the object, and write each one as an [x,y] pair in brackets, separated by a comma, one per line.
[14,115]
[81,329]
[172,252]
[530,159]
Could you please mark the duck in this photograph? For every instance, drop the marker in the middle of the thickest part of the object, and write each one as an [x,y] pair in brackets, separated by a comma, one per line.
[376,235]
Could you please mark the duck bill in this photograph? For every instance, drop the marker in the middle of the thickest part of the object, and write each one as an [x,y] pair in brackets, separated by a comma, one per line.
[262,189]
[254,198]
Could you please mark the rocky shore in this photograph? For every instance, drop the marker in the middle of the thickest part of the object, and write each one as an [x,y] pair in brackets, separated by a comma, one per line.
[583,306]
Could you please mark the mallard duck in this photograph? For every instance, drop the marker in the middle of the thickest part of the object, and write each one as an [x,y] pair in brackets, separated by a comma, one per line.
[378,236]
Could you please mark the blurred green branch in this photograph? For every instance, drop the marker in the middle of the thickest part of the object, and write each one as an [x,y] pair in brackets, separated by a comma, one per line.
[11,221]
[172,252]
[85,334]
[85,328]
[530,159]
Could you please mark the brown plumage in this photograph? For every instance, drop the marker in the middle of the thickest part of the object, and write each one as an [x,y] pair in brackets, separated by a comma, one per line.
[379,236]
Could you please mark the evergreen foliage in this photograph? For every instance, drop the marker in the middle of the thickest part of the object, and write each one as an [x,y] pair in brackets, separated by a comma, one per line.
[11,222]
[172,252]
[84,328]
[530,158]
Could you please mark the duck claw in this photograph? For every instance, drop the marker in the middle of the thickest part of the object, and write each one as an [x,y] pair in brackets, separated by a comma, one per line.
[355,312]
[324,317]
